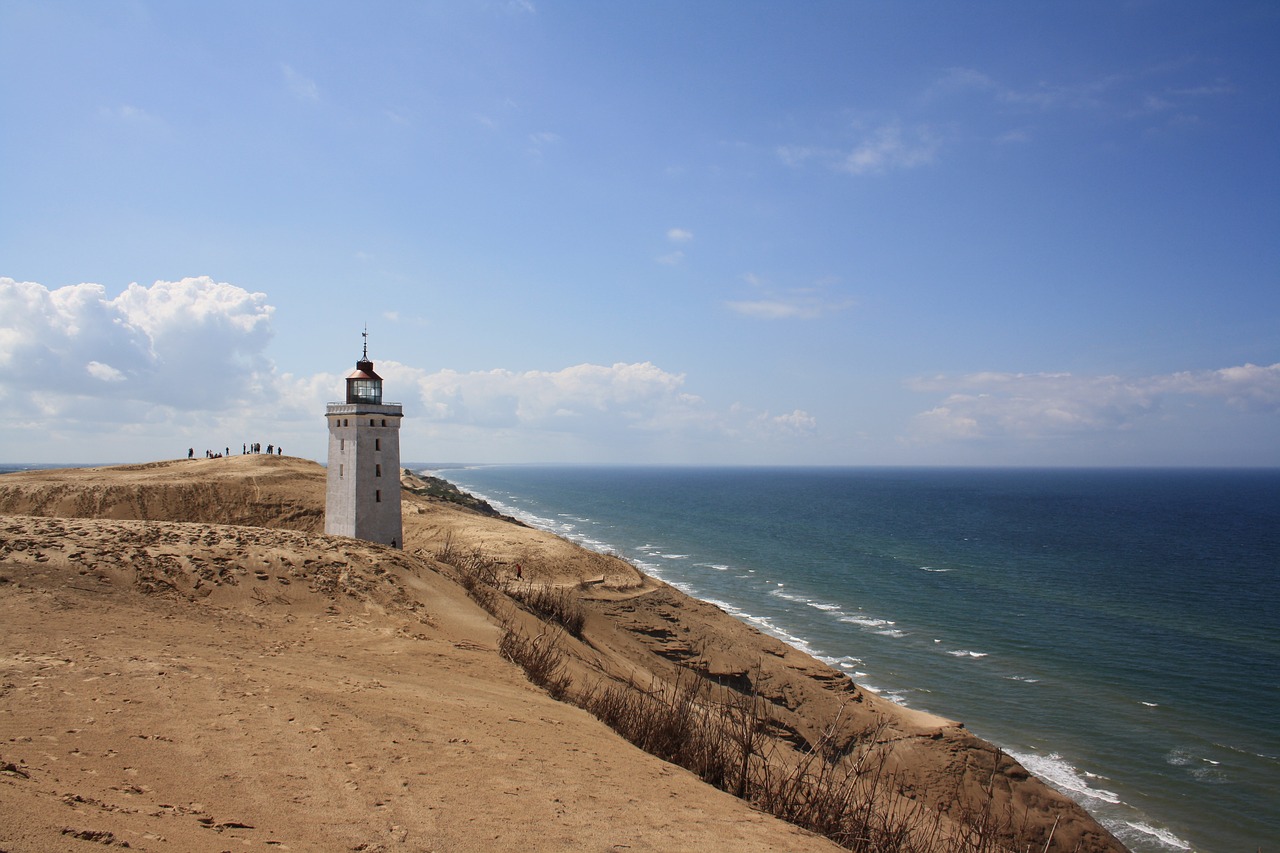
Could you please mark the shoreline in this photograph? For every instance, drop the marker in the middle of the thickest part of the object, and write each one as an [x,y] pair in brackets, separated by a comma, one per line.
[1063,775]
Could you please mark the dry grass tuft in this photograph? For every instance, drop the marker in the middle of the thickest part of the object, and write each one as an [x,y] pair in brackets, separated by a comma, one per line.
[541,658]
[556,604]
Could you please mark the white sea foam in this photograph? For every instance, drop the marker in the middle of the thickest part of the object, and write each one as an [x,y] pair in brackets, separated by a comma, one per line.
[816,603]
[1147,831]
[865,621]
[1064,776]
[934,569]
[1025,679]
[965,653]
[765,624]
[897,697]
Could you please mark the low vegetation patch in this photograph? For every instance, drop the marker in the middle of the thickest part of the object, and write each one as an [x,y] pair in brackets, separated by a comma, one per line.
[551,603]
[434,487]
[541,657]
[843,790]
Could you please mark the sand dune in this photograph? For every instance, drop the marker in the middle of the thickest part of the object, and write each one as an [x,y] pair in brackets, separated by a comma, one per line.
[186,664]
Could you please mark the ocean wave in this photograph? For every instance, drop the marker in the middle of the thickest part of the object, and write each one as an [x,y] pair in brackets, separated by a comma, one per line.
[1145,831]
[934,569]
[965,653]
[765,624]
[897,697]
[1201,769]
[1263,755]
[883,627]
[1064,776]
[865,621]
[816,603]
[843,662]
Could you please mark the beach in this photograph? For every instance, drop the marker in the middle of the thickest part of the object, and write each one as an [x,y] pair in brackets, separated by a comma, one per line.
[188,664]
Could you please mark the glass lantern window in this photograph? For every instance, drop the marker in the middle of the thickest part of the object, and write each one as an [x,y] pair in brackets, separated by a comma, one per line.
[364,391]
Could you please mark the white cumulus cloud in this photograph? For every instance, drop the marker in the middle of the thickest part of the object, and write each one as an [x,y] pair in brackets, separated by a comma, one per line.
[192,344]
[88,375]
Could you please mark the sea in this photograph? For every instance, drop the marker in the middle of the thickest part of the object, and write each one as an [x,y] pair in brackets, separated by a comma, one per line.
[1116,631]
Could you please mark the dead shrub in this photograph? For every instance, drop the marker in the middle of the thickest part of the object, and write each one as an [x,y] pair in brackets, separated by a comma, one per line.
[540,656]
[548,602]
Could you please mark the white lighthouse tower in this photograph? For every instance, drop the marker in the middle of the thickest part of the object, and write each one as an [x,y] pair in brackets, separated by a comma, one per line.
[362,497]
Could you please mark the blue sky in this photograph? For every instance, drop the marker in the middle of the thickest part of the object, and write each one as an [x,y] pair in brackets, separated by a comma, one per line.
[718,232]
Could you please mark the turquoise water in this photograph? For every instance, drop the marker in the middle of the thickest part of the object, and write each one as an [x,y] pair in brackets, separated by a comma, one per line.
[1117,631]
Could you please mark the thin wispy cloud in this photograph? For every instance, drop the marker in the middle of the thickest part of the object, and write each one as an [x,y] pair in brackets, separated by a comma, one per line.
[798,303]
[678,236]
[129,113]
[887,148]
[540,142]
[1029,406]
[301,86]
[891,148]
[1132,94]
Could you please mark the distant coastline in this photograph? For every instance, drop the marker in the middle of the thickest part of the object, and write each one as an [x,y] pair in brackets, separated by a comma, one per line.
[655,516]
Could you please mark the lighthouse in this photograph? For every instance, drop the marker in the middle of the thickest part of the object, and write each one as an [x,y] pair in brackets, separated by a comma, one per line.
[362,493]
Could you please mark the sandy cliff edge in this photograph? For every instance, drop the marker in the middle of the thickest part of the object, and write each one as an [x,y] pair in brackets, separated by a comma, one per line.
[176,675]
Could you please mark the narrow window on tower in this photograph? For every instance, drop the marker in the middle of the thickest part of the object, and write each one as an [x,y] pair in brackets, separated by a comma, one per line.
[371,423]
[377,496]
[384,421]
[342,445]
[377,444]
[377,470]
[340,472]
